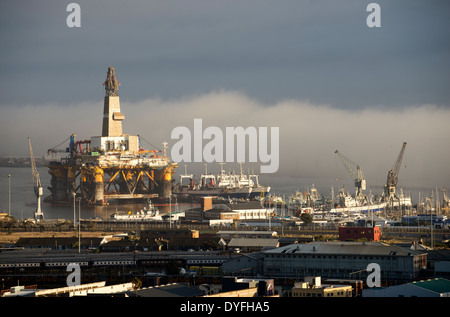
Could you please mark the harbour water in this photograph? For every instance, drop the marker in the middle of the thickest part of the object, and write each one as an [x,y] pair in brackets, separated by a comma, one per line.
[17,194]
[23,200]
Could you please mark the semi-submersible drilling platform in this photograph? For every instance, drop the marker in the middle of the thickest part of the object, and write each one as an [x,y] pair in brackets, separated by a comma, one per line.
[112,166]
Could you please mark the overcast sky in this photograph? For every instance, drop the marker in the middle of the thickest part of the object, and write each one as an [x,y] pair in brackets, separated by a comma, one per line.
[313,68]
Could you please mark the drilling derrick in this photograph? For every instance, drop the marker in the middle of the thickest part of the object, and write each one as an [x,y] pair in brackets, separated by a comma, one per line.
[111,83]
[112,166]
[112,117]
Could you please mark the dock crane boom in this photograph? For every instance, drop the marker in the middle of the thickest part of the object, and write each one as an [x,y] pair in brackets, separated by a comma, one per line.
[38,190]
[356,174]
[392,177]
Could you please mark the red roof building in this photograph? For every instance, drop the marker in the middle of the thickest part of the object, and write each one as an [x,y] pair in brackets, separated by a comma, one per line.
[357,233]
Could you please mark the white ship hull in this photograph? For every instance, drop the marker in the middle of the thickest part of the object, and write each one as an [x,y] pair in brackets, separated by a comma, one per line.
[375,208]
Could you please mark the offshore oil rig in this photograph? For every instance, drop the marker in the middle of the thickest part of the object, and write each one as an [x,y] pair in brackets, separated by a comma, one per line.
[112,166]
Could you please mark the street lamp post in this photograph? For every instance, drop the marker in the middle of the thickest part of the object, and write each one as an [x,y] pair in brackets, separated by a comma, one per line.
[9,194]
[79,225]
[170,210]
[74,199]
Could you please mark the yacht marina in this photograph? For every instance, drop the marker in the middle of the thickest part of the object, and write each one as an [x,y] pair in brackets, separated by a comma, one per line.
[326,209]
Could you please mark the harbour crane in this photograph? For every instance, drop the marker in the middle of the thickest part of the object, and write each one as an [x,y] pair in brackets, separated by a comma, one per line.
[72,145]
[38,190]
[392,177]
[356,173]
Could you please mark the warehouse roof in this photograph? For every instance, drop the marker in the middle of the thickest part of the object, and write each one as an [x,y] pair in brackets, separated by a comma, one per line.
[339,247]
[437,285]
[252,242]
[169,290]
[57,241]
[246,205]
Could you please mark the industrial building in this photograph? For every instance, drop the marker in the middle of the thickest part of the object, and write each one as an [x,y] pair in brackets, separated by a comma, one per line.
[312,287]
[262,287]
[344,260]
[252,244]
[358,233]
[112,166]
[228,212]
[335,260]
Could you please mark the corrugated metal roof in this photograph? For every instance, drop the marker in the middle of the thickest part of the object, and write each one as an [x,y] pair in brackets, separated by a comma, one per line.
[439,255]
[252,242]
[356,248]
[169,290]
[38,241]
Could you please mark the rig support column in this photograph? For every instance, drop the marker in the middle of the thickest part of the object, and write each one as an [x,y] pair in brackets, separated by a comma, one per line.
[59,183]
[98,176]
[167,184]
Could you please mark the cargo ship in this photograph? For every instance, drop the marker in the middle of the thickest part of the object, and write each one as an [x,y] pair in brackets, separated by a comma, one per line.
[352,206]
[224,185]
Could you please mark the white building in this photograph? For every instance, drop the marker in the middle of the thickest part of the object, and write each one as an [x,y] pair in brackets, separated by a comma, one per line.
[240,211]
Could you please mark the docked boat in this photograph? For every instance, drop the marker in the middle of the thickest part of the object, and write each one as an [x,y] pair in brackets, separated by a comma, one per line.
[360,210]
[224,185]
[148,213]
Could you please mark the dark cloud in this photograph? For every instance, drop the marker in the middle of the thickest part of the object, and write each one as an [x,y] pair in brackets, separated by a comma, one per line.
[312,68]
[271,50]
